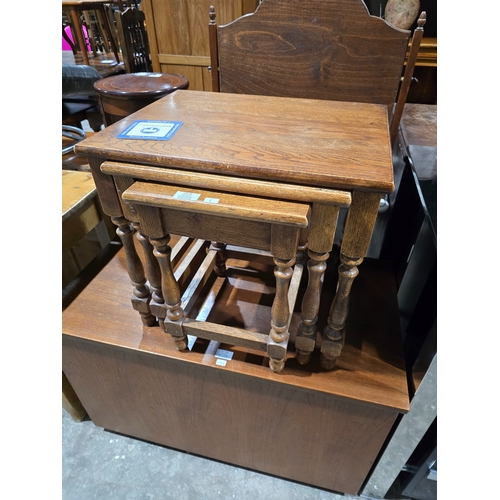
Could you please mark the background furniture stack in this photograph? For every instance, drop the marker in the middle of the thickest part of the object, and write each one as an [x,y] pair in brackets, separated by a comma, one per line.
[100,31]
[133,39]
[178,35]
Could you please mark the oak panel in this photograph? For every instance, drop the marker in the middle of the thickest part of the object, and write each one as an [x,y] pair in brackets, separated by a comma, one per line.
[180,28]
[335,144]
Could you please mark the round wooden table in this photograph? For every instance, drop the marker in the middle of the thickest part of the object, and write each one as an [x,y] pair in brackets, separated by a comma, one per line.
[122,95]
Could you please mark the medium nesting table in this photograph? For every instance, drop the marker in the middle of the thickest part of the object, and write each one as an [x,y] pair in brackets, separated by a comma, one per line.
[267,173]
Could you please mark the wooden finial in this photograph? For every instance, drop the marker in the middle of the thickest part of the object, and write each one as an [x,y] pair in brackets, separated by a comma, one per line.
[422,19]
[212,14]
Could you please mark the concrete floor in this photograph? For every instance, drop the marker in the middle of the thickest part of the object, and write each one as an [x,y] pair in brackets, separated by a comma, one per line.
[99,464]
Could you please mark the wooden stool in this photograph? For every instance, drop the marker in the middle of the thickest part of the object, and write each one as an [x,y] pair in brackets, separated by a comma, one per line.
[122,95]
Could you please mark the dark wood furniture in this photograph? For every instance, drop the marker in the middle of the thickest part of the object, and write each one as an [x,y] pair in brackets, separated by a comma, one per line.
[122,95]
[320,49]
[322,429]
[411,240]
[410,245]
[74,8]
[323,154]
[134,42]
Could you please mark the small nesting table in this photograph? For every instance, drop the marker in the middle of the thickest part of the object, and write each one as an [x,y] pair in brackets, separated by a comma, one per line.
[122,95]
[247,152]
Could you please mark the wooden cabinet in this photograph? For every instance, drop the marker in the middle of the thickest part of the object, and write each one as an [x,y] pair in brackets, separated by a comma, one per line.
[321,428]
[178,35]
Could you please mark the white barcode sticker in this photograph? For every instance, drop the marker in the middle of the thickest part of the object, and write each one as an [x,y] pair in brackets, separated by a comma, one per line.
[223,354]
[221,362]
[183,195]
[211,200]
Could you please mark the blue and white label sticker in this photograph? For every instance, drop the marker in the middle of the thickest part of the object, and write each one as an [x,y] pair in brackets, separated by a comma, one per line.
[150,130]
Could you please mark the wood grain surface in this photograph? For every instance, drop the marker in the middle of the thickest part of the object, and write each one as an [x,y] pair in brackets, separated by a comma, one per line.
[321,49]
[78,188]
[219,203]
[304,141]
[253,187]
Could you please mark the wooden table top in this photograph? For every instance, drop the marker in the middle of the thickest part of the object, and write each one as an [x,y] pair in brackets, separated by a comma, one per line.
[140,85]
[310,142]
[77,189]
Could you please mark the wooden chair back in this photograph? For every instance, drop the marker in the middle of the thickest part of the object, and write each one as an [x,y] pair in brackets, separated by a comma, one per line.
[134,40]
[319,49]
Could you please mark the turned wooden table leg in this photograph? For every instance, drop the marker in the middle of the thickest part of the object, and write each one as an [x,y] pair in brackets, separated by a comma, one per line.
[171,292]
[306,336]
[220,260]
[284,241]
[333,334]
[280,313]
[157,305]
[356,239]
[75,19]
[141,294]
[320,242]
